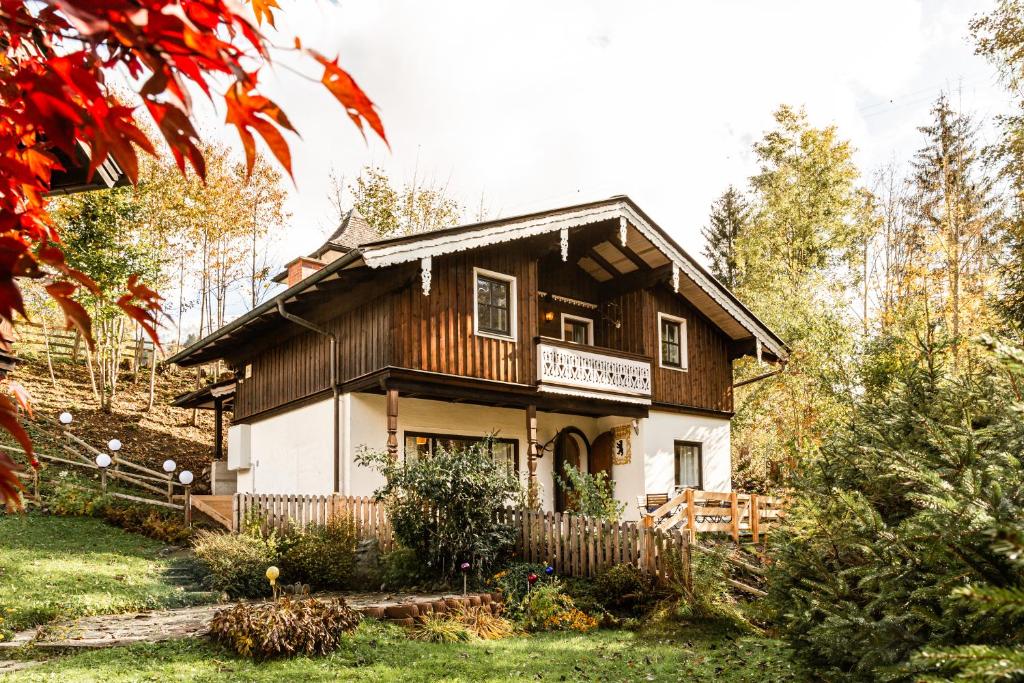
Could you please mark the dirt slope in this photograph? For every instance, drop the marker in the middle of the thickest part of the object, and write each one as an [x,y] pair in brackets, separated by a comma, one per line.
[148,437]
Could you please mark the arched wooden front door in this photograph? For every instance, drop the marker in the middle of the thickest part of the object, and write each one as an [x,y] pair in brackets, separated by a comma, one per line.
[571,446]
[601,455]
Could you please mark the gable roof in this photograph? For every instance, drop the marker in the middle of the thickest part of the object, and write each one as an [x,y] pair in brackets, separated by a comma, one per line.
[689,278]
[694,281]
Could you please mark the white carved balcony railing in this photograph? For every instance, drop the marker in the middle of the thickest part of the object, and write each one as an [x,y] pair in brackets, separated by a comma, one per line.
[589,371]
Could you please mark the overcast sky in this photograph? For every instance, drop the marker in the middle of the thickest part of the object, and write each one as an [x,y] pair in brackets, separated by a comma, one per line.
[535,105]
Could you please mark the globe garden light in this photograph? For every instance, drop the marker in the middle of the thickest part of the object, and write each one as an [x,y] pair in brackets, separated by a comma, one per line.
[114,445]
[65,418]
[185,477]
[103,460]
[170,466]
[272,574]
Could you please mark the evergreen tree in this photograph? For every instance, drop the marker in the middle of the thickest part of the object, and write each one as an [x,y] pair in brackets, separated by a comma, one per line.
[957,212]
[730,216]
[886,568]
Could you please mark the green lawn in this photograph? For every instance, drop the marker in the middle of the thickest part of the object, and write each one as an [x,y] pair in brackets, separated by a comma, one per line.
[53,567]
[379,652]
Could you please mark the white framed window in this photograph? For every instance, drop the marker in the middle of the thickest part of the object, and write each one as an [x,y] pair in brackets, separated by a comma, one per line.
[577,329]
[494,305]
[672,352]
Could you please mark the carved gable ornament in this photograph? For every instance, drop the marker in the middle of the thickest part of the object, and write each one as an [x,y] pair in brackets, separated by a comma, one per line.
[622,449]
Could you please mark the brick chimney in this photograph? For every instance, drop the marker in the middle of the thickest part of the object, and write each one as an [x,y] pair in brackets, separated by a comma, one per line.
[301,268]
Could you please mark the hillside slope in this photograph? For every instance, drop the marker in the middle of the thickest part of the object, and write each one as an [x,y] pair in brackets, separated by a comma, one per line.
[148,437]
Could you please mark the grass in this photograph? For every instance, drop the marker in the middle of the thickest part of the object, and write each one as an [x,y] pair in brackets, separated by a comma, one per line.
[55,567]
[379,652]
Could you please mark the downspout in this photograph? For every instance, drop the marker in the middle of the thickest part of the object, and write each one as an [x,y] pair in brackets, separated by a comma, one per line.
[334,382]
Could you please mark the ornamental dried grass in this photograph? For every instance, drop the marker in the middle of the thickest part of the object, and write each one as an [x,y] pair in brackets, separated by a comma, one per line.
[440,628]
[285,627]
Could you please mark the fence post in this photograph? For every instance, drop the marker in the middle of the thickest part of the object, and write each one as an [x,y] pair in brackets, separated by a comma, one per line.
[691,513]
[235,523]
[689,538]
[734,504]
[755,517]
[647,544]
[188,505]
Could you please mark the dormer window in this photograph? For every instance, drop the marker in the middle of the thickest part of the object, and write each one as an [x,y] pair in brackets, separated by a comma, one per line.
[672,337]
[495,305]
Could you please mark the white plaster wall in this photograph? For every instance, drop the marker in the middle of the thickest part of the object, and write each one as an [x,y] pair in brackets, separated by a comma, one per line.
[291,452]
[661,430]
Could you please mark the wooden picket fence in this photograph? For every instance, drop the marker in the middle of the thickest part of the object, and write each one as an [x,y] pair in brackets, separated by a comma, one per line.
[732,513]
[578,545]
[279,511]
[31,340]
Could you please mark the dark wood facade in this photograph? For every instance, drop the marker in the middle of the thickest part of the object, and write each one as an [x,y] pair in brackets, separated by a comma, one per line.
[399,327]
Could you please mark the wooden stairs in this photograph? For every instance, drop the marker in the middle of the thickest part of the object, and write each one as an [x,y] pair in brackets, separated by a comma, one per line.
[218,508]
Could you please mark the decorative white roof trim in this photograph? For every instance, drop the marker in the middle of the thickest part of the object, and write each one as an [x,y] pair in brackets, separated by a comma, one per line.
[425,275]
[569,300]
[403,252]
[614,398]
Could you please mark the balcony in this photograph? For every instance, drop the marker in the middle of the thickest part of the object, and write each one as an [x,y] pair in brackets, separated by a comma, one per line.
[593,372]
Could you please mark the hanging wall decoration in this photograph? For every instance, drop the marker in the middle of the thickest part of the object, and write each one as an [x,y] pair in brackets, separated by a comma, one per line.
[622,449]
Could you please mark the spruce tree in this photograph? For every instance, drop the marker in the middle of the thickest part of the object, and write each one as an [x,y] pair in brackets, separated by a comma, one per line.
[898,557]
[730,216]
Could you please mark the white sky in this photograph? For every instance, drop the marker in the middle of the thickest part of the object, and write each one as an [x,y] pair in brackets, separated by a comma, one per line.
[541,104]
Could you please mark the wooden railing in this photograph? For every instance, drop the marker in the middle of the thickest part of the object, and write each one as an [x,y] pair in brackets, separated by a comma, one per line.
[591,368]
[732,513]
[280,511]
[578,545]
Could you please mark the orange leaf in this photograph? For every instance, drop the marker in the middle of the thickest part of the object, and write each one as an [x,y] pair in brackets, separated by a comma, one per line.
[21,395]
[9,484]
[344,88]
[264,9]
[75,316]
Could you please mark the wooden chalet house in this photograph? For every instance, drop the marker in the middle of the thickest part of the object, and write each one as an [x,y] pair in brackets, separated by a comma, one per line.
[581,335]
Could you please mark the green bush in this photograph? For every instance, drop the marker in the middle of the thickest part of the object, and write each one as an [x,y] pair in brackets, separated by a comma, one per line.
[512,582]
[401,568]
[592,494]
[708,597]
[445,507]
[322,555]
[285,627]
[547,608]
[623,588]
[67,498]
[236,563]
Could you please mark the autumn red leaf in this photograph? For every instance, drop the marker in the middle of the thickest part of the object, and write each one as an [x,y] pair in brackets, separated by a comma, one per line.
[56,108]
[21,395]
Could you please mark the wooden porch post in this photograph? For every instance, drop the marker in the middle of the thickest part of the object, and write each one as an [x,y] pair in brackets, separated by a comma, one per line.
[531,456]
[218,428]
[393,424]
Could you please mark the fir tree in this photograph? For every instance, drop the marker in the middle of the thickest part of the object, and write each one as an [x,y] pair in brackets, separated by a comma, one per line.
[730,216]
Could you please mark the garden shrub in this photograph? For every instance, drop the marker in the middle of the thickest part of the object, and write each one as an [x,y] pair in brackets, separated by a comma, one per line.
[236,563]
[624,588]
[512,582]
[709,597]
[592,494]
[68,498]
[445,507]
[484,624]
[284,627]
[401,568]
[547,608]
[322,555]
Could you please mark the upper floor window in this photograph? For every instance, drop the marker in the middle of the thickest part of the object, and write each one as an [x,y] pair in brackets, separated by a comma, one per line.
[495,304]
[577,330]
[689,465]
[672,335]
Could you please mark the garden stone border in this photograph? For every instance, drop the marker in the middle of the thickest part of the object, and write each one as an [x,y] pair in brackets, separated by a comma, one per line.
[154,626]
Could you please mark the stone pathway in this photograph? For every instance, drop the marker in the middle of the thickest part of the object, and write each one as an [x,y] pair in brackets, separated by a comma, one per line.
[160,625]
